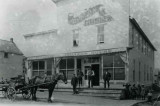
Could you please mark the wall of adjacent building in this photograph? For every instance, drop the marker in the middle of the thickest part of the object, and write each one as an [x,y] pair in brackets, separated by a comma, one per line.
[144,61]
[11,66]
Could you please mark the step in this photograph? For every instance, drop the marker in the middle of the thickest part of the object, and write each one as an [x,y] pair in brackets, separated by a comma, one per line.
[104,91]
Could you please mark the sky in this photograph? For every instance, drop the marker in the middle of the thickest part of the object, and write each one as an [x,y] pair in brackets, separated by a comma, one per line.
[20,17]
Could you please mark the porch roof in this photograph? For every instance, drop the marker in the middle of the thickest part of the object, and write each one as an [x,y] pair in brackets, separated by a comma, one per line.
[82,53]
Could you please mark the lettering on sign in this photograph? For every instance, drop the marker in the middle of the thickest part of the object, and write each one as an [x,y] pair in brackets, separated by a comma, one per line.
[96,52]
[103,16]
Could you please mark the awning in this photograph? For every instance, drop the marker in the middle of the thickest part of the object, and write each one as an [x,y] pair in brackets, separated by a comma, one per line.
[81,53]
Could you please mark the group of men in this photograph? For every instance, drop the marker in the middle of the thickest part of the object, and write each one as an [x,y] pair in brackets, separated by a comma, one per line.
[91,74]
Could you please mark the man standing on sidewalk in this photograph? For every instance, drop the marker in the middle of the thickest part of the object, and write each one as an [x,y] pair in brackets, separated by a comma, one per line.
[90,77]
[106,77]
[79,75]
[74,82]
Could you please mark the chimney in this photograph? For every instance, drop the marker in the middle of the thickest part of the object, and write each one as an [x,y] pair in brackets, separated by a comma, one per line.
[11,39]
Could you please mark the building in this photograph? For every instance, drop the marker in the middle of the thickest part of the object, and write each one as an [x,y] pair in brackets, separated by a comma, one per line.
[97,34]
[11,59]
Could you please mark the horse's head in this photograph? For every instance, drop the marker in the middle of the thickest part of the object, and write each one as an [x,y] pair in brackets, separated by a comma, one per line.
[62,76]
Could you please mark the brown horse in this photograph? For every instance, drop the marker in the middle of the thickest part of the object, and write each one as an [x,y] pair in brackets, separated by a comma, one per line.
[48,82]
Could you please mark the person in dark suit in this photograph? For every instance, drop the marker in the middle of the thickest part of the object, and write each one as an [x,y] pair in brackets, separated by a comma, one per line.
[74,82]
[106,77]
[79,75]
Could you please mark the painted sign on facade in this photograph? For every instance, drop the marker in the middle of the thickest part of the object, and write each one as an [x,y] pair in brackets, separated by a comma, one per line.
[106,51]
[103,16]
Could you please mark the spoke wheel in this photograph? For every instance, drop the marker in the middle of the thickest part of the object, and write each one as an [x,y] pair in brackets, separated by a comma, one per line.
[26,94]
[11,93]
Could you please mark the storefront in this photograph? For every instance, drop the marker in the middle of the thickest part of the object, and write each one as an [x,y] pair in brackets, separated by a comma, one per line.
[99,61]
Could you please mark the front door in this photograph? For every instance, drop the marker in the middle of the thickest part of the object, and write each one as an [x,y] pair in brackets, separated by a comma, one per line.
[95,68]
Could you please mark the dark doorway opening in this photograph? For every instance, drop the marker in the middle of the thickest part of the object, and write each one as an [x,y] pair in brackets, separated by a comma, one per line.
[95,68]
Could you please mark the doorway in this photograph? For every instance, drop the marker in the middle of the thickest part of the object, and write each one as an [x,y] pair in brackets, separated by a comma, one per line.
[95,68]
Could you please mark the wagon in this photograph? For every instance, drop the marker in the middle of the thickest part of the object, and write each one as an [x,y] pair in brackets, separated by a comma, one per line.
[17,85]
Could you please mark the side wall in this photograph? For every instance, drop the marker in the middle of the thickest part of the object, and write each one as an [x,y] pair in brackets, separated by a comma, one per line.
[11,66]
[141,59]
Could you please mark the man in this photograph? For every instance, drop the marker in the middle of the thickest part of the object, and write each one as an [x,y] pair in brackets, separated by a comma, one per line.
[90,78]
[74,81]
[106,77]
[79,75]
[89,73]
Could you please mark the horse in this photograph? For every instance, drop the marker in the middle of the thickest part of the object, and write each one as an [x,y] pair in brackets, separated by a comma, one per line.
[48,82]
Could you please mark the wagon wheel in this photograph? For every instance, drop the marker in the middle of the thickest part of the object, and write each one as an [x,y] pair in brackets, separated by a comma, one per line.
[26,94]
[11,93]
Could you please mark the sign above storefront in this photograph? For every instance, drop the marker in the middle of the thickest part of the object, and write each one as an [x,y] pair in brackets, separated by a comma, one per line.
[96,52]
[102,18]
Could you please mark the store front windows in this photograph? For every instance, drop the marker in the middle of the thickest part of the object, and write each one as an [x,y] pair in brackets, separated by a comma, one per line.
[67,66]
[38,68]
[115,65]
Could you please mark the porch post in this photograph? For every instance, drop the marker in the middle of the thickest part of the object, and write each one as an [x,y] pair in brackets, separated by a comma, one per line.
[29,69]
[127,67]
[75,65]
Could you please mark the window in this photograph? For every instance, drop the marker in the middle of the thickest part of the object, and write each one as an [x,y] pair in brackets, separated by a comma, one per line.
[132,35]
[142,45]
[147,73]
[75,37]
[138,41]
[115,65]
[139,71]
[100,35]
[67,66]
[38,68]
[146,49]
[5,55]
[151,74]
[134,70]
[144,72]
[49,66]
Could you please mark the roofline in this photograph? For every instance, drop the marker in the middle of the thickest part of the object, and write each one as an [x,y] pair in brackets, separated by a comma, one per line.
[21,53]
[134,22]
[40,33]
[15,46]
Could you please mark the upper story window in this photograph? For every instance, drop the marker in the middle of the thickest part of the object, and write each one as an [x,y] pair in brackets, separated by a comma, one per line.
[139,43]
[136,40]
[100,33]
[5,55]
[75,37]
[132,35]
